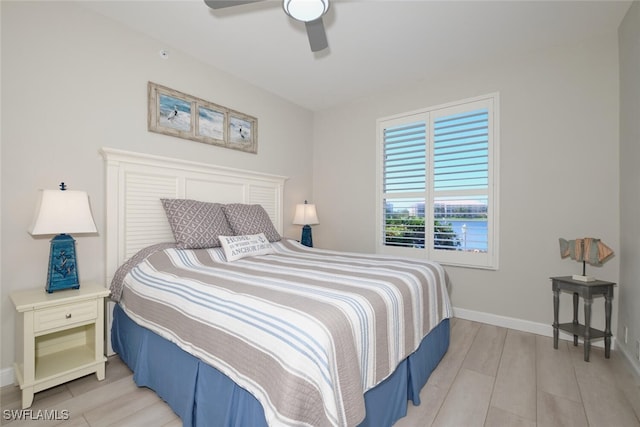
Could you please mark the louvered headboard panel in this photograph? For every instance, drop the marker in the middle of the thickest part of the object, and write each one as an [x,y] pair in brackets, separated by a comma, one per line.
[136,182]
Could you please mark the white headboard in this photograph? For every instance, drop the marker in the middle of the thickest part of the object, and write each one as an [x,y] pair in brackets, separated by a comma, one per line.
[136,182]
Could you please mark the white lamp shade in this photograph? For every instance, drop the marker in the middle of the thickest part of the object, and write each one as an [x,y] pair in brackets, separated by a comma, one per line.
[305,10]
[62,212]
[305,215]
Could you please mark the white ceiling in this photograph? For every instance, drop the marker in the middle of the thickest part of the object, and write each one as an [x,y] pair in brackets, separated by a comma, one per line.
[373,44]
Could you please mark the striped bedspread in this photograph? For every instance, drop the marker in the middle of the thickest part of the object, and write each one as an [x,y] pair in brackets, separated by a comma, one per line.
[306,331]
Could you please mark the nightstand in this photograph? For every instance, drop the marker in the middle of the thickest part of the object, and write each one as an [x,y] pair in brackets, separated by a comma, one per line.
[59,337]
[586,290]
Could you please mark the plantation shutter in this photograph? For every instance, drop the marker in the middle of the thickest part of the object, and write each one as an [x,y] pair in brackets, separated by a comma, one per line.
[404,183]
[460,180]
[437,183]
[461,152]
[404,154]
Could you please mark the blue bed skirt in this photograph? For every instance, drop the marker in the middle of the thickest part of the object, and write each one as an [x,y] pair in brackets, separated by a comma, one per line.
[203,396]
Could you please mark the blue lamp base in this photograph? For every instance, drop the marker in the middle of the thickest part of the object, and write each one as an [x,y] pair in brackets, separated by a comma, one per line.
[63,271]
[306,238]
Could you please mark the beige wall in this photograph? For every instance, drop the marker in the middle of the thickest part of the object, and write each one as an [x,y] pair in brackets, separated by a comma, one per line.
[629,289]
[72,82]
[559,172]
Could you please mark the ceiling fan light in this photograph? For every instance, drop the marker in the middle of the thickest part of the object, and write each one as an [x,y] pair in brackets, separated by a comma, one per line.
[306,10]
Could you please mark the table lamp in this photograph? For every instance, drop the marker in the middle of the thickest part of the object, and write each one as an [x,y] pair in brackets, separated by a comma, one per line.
[60,212]
[587,250]
[306,216]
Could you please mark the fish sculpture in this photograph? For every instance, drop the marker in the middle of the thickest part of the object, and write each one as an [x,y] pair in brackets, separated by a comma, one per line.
[588,249]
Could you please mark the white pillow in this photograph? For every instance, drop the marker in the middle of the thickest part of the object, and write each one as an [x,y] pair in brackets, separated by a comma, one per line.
[236,247]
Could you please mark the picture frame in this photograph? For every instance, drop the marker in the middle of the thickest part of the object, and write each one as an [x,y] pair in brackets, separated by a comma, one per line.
[178,114]
[241,131]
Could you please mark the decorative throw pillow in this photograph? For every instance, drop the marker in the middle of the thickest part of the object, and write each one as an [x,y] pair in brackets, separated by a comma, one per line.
[250,219]
[196,224]
[236,247]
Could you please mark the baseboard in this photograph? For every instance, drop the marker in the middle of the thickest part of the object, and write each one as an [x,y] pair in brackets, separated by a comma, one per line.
[7,377]
[517,324]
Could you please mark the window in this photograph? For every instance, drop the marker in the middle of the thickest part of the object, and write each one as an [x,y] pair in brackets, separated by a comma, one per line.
[437,183]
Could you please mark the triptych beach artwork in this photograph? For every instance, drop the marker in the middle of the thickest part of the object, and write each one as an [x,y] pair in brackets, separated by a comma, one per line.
[177,114]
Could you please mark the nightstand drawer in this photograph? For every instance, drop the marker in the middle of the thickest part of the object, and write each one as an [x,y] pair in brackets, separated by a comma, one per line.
[64,315]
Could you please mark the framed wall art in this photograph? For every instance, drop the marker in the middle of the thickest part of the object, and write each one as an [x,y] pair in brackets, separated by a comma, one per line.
[185,116]
[242,131]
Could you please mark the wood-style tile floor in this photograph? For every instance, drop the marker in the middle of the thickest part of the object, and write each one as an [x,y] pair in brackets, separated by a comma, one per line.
[490,376]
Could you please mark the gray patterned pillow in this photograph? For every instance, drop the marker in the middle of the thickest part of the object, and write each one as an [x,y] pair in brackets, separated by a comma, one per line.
[250,219]
[195,224]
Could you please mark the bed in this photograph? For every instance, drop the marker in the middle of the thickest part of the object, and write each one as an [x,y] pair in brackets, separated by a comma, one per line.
[273,333]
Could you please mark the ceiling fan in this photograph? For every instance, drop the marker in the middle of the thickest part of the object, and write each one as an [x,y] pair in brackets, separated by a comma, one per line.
[308,11]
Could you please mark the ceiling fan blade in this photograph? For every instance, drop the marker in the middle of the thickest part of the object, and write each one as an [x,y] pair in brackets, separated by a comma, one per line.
[317,35]
[221,4]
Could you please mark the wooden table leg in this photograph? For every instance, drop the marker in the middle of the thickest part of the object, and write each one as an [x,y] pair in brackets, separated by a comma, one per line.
[607,330]
[556,309]
[27,397]
[587,327]
[575,316]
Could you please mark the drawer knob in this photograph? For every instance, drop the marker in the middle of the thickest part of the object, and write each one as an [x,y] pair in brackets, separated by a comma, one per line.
[68,316]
